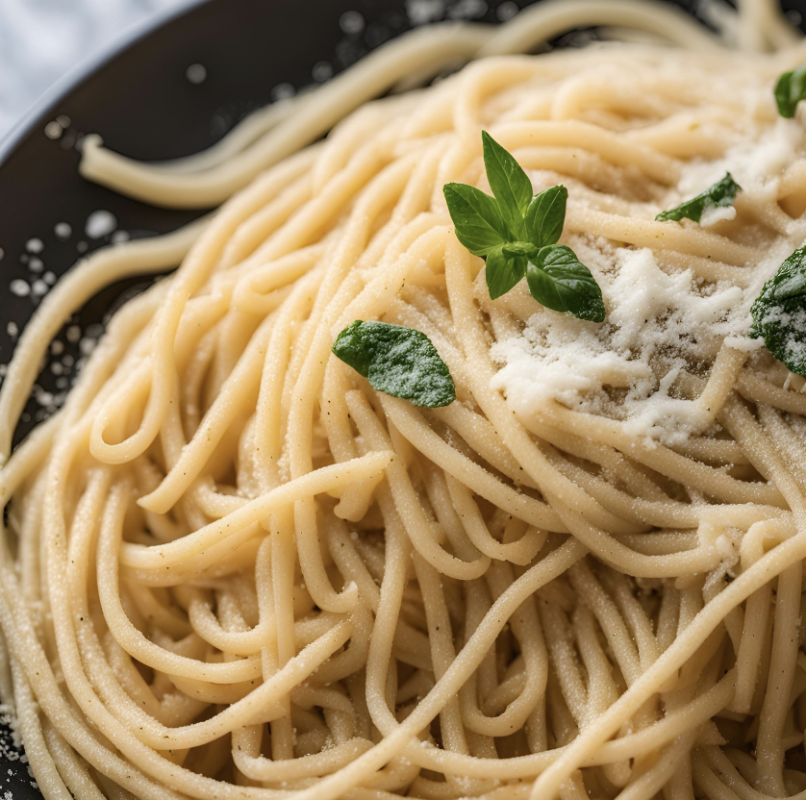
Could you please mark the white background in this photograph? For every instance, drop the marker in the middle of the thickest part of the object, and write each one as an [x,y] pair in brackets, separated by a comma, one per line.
[42,40]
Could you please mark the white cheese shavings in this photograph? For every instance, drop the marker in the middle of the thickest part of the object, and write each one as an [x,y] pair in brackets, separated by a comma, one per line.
[755,162]
[100,223]
[663,324]
[657,324]
[714,214]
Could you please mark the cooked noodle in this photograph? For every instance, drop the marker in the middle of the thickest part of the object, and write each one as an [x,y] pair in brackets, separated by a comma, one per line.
[231,569]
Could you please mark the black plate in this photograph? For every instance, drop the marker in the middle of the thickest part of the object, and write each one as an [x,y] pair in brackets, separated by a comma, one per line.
[141,99]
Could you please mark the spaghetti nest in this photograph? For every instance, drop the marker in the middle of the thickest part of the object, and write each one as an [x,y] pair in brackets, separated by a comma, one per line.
[233,570]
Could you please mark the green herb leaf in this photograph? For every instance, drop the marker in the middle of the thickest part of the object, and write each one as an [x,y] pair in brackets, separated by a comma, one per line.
[515,249]
[398,361]
[518,235]
[503,271]
[790,90]
[720,195]
[779,313]
[545,216]
[476,217]
[559,281]
[510,184]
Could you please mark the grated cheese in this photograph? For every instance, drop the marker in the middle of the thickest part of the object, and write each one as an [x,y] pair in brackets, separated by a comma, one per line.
[661,322]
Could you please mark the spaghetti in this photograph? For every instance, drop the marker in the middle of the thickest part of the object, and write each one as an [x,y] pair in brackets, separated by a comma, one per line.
[233,570]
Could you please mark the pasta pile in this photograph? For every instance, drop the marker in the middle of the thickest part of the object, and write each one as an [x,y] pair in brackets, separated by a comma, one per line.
[231,569]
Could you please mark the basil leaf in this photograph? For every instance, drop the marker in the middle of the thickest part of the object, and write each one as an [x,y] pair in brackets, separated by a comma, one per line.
[559,281]
[779,313]
[720,195]
[520,249]
[398,361]
[545,216]
[476,217]
[510,184]
[790,90]
[503,271]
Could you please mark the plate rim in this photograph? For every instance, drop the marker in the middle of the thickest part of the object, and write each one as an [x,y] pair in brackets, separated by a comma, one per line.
[76,75]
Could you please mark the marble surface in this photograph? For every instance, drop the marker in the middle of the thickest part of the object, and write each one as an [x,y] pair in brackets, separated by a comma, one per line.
[42,40]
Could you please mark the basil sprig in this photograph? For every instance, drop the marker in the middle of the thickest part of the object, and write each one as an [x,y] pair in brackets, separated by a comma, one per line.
[779,313]
[720,195]
[397,360]
[517,233]
[790,90]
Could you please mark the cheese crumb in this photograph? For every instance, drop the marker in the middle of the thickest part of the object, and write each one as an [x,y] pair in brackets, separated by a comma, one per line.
[100,224]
